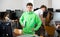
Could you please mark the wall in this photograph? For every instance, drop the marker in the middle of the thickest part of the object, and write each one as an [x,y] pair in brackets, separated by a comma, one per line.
[56,4]
[49,3]
[11,4]
[21,4]
[38,3]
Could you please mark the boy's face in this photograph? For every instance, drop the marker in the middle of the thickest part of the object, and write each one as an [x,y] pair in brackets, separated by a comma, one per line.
[7,15]
[29,8]
[43,9]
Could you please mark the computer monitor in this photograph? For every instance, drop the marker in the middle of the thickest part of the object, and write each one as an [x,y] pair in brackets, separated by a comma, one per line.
[36,9]
[18,13]
[51,9]
[13,15]
[57,10]
[2,15]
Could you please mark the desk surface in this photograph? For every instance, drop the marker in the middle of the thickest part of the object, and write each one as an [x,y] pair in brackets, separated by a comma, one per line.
[28,35]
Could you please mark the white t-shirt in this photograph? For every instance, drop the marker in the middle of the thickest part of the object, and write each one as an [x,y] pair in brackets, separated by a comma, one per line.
[38,12]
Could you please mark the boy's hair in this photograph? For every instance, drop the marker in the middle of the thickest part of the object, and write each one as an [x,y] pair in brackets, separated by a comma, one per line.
[43,6]
[29,4]
[6,14]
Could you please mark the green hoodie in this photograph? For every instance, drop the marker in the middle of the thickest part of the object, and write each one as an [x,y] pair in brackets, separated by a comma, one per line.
[30,21]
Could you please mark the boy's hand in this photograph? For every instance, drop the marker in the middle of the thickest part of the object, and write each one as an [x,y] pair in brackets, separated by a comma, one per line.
[57,26]
[22,26]
[33,29]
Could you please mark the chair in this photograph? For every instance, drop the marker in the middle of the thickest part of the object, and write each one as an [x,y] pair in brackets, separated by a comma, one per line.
[5,29]
[1,30]
[50,30]
[8,29]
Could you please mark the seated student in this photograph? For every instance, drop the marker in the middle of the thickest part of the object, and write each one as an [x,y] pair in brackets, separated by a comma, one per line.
[13,22]
[7,19]
[30,21]
[58,28]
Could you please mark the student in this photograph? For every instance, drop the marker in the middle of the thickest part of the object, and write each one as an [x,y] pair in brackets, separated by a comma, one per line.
[7,19]
[40,12]
[13,22]
[30,21]
[58,28]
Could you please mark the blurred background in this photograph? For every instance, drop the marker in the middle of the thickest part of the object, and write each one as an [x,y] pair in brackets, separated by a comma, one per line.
[15,8]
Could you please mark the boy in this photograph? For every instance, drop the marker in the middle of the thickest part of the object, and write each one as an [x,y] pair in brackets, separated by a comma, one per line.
[30,21]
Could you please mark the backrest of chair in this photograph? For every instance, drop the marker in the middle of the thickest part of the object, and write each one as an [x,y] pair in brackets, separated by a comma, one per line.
[8,29]
[48,18]
[5,29]
[1,28]
[50,30]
